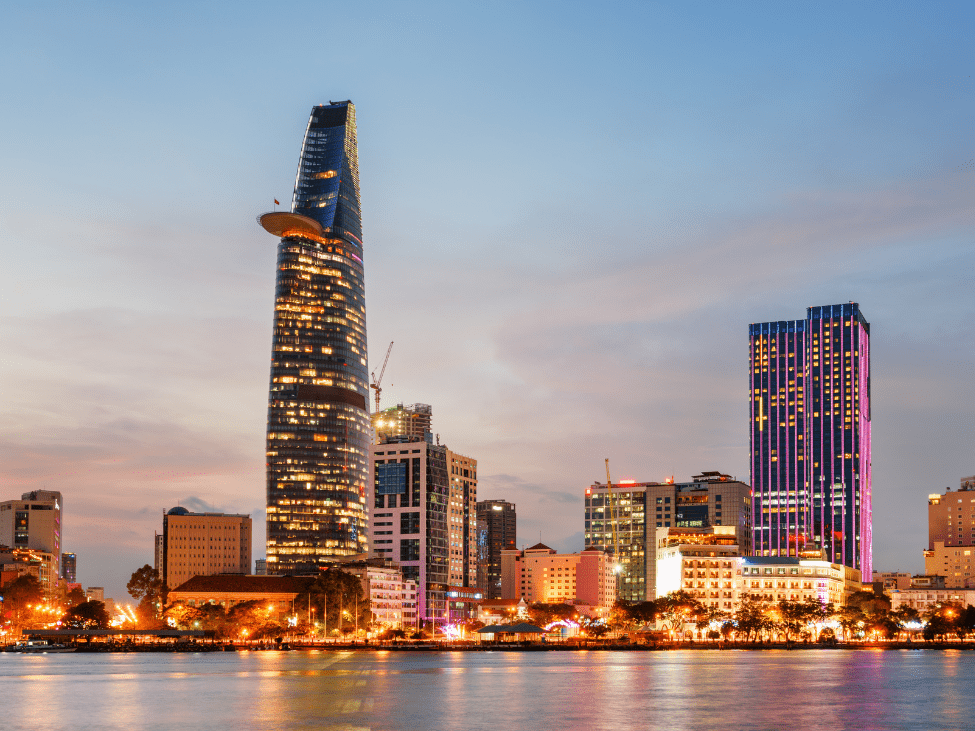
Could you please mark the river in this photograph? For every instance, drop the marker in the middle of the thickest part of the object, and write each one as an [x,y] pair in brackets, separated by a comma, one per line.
[536,691]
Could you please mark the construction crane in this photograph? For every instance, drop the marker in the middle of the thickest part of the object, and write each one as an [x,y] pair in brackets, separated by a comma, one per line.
[376,382]
[612,515]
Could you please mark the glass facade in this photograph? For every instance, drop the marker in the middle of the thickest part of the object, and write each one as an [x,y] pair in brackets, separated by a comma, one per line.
[810,435]
[318,423]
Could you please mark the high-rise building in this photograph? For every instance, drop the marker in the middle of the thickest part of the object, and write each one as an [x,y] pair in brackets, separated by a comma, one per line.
[34,522]
[462,519]
[318,429]
[809,391]
[413,421]
[951,535]
[69,567]
[500,525]
[411,519]
[637,509]
[204,544]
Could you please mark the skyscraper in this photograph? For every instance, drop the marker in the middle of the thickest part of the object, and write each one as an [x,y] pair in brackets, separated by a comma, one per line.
[318,423]
[501,522]
[810,435]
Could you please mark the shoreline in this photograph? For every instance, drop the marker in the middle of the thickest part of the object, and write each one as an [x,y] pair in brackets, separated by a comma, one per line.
[506,647]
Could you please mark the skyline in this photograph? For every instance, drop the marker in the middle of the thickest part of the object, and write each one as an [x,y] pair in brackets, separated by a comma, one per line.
[584,212]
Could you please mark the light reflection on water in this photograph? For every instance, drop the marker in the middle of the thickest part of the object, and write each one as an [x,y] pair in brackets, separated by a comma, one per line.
[349,691]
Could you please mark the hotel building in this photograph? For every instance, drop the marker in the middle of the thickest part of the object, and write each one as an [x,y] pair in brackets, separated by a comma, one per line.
[318,429]
[638,509]
[809,406]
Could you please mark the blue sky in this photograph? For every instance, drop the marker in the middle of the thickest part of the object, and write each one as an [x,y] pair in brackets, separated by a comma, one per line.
[571,214]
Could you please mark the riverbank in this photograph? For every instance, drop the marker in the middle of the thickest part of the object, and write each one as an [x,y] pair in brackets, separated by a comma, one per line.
[424,647]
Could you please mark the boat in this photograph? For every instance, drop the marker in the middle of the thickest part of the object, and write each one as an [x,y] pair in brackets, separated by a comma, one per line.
[40,646]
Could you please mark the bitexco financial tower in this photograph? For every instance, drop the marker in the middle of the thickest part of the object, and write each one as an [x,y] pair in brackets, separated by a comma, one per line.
[318,424]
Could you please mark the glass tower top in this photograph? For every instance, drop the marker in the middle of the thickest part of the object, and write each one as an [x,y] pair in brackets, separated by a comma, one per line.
[318,423]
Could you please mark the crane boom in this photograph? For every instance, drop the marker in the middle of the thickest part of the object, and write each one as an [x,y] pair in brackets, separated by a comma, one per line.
[376,382]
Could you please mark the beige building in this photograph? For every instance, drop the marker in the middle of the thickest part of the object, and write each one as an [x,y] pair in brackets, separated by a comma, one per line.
[953,562]
[699,561]
[924,599]
[785,578]
[34,522]
[951,535]
[892,580]
[204,544]
[539,574]
[462,520]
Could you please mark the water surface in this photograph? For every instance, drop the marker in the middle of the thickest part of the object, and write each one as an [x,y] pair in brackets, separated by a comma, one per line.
[380,691]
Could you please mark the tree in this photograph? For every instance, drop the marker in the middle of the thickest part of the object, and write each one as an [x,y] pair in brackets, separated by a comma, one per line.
[543,614]
[87,615]
[19,596]
[150,591]
[677,609]
[75,596]
[335,595]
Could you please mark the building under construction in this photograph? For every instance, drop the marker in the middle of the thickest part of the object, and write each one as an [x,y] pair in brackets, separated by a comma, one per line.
[413,421]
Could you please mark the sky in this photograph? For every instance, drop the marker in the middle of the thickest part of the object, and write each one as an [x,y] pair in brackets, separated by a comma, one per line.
[571,213]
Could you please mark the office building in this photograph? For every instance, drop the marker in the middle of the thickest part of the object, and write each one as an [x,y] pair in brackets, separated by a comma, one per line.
[623,521]
[410,518]
[318,430]
[204,544]
[34,522]
[414,422]
[69,567]
[539,574]
[95,594]
[462,520]
[809,387]
[500,525]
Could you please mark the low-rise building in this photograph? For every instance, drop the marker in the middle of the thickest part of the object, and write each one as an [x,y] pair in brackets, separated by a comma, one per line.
[924,599]
[228,590]
[539,574]
[892,580]
[15,562]
[787,578]
[462,603]
[392,599]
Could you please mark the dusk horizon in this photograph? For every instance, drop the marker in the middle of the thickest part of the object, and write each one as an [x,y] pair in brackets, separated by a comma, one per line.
[568,225]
